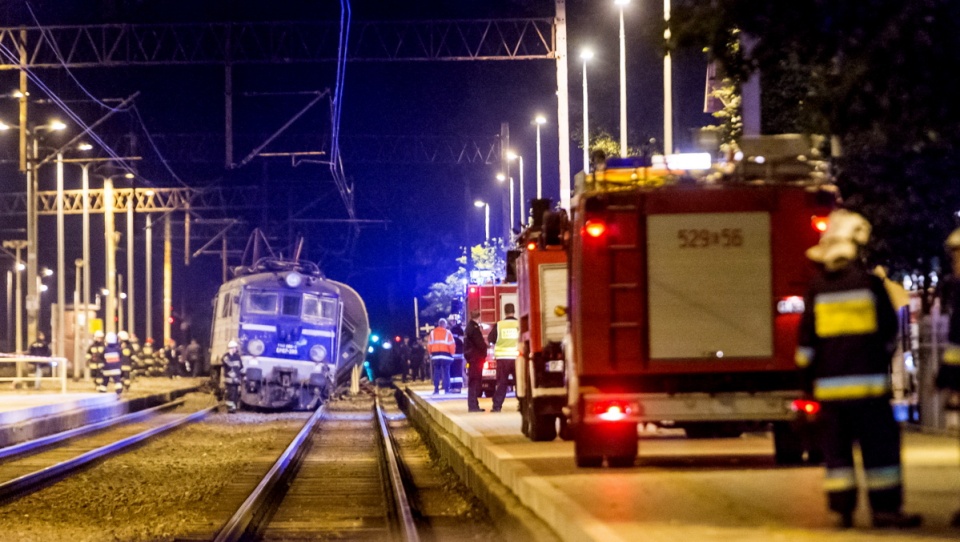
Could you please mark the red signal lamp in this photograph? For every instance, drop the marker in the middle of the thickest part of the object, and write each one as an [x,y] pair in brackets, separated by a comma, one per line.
[531,246]
[805,406]
[819,223]
[397,338]
[613,411]
[473,290]
[595,228]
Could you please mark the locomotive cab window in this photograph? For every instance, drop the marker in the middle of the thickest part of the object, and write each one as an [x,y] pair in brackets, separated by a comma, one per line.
[261,303]
[315,307]
[291,305]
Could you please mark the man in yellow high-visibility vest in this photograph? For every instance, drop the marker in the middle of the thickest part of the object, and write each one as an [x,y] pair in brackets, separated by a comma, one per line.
[505,339]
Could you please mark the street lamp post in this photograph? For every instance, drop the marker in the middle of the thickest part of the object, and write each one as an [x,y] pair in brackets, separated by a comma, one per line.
[486,218]
[110,240]
[502,178]
[540,120]
[78,321]
[586,55]
[61,265]
[523,202]
[17,246]
[667,87]
[623,82]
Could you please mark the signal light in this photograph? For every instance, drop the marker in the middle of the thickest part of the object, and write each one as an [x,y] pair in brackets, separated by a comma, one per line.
[819,223]
[473,290]
[805,406]
[531,245]
[595,228]
[397,338]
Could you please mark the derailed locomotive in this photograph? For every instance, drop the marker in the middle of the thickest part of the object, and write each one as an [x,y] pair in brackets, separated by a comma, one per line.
[300,334]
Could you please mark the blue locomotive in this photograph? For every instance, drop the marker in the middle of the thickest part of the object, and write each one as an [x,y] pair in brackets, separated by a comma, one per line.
[300,334]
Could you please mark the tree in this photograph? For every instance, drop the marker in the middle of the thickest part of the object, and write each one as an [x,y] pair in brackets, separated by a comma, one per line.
[877,75]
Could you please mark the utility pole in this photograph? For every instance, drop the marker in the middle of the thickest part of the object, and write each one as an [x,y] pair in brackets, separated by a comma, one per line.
[110,243]
[18,245]
[148,242]
[167,279]
[131,304]
[563,118]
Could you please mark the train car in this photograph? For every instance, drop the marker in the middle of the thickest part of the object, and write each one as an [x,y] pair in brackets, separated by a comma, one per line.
[300,334]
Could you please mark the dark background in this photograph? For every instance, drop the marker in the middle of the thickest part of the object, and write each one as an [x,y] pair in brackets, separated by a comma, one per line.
[426,208]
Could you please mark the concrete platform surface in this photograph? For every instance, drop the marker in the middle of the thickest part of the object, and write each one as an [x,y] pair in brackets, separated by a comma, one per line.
[691,490]
[28,413]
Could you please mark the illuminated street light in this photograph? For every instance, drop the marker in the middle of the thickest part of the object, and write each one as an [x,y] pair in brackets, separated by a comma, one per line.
[623,82]
[47,272]
[486,218]
[84,147]
[540,120]
[586,55]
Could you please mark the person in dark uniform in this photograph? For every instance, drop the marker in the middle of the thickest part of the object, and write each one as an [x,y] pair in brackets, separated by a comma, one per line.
[846,340]
[193,357]
[95,356]
[417,355]
[948,378]
[504,337]
[232,366]
[40,348]
[474,352]
[129,355]
[404,351]
[171,359]
[112,370]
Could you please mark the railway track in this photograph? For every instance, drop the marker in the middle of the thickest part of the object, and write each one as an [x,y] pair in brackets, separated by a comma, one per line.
[340,480]
[36,464]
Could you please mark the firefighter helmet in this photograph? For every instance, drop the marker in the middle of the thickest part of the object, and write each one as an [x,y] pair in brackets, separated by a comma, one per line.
[111,338]
[232,344]
[846,233]
[123,336]
[98,334]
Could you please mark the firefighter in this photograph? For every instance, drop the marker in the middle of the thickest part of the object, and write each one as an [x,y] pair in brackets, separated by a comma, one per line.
[147,358]
[504,338]
[171,359]
[95,357]
[129,356]
[232,366]
[475,352]
[40,348]
[948,378]
[441,346]
[112,368]
[847,336]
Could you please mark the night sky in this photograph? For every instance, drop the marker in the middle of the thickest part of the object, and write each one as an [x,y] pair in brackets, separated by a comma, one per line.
[426,208]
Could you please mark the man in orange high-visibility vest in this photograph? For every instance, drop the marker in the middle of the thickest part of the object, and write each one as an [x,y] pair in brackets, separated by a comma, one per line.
[441,345]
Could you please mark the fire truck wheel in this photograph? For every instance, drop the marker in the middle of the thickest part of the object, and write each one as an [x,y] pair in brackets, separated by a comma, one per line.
[589,461]
[543,428]
[787,445]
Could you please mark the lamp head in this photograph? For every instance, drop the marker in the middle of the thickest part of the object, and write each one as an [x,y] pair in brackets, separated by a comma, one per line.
[621,3]
[512,155]
[540,119]
[84,147]
[501,177]
[478,203]
[586,54]
[56,125]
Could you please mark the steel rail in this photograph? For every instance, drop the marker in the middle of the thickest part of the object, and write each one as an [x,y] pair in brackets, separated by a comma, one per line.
[28,483]
[236,527]
[32,446]
[395,479]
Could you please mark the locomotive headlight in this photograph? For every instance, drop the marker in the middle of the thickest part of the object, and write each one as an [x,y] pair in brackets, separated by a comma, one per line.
[318,353]
[255,347]
[293,279]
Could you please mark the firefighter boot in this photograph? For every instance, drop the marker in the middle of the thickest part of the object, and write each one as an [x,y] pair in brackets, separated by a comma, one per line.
[846,520]
[896,520]
[955,522]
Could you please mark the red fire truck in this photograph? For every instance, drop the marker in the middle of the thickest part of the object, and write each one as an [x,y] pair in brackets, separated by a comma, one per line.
[489,299]
[684,305]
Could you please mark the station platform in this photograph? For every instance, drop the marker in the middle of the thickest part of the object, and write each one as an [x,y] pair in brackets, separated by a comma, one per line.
[29,413]
[686,489]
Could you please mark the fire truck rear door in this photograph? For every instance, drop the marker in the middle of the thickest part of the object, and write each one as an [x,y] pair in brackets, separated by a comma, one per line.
[709,285]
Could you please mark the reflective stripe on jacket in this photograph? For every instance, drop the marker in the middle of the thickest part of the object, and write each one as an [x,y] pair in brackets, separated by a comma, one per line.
[508,335]
[440,341]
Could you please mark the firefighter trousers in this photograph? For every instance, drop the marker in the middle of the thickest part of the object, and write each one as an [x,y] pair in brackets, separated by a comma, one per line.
[869,422]
[506,368]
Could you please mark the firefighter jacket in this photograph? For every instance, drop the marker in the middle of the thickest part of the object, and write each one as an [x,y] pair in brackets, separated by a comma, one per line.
[128,355]
[505,338]
[440,341]
[847,336]
[95,356]
[112,360]
[147,355]
[949,375]
[232,365]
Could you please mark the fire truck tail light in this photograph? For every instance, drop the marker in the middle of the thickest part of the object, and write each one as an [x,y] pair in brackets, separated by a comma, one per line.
[531,246]
[614,411]
[790,305]
[819,223]
[805,406]
[595,228]
[473,290]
